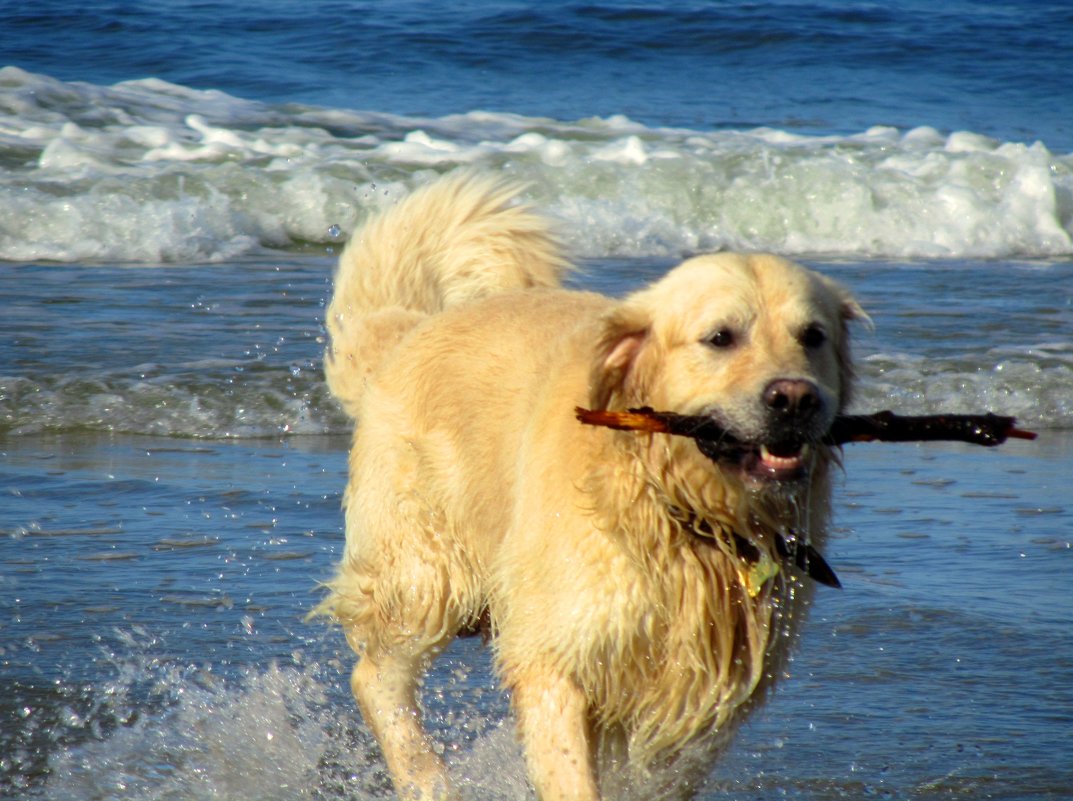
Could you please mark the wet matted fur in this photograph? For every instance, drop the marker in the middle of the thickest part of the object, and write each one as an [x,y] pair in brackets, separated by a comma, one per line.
[640,597]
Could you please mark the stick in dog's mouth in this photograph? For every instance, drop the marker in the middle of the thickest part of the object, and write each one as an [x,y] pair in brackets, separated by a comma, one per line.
[718,444]
[787,462]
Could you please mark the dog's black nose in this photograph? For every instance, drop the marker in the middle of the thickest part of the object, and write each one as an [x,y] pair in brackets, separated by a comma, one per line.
[792,400]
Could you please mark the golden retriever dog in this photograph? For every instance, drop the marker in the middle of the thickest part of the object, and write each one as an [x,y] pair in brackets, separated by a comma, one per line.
[640,597]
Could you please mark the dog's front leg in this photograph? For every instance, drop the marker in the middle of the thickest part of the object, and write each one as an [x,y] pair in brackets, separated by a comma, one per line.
[385,692]
[553,719]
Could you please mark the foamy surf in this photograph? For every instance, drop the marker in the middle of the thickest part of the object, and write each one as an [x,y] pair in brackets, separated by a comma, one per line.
[1032,383]
[159,728]
[146,172]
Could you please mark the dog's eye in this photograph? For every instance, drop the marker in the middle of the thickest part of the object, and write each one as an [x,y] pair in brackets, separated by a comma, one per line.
[813,337]
[723,338]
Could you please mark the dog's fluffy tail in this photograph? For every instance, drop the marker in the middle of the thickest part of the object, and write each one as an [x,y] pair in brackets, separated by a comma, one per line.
[458,239]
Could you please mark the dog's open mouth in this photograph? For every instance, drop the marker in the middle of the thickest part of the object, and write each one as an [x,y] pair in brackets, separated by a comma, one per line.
[789,460]
[765,462]
[784,461]
[778,462]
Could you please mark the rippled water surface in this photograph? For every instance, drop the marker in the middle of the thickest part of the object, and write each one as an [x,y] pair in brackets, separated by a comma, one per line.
[171,477]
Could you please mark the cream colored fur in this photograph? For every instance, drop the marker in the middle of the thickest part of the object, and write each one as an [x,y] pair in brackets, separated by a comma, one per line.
[449,243]
[638,603]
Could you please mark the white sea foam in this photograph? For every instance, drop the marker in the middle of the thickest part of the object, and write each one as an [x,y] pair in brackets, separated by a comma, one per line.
[268,404]
[146,171]
[1034,384]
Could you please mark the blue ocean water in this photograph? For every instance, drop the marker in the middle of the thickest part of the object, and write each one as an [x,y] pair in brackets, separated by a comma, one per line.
[176,179]
[1001,69]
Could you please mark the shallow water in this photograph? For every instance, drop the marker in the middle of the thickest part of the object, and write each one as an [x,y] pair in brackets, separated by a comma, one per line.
[233,350]
[154,587]
[154,645]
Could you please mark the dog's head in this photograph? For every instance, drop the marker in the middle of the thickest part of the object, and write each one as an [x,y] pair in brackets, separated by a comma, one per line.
[755,342]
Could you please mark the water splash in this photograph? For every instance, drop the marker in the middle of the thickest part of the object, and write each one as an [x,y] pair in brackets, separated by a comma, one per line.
[162,729]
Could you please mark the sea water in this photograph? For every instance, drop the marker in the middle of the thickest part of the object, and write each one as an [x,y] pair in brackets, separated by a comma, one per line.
[176,181]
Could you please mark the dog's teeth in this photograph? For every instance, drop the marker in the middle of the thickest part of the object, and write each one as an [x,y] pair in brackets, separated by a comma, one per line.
[770,458]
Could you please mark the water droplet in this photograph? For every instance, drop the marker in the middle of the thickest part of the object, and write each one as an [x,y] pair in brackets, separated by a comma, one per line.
[334,231]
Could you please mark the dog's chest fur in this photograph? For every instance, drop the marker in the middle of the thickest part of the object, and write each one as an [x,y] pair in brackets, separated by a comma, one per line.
[699,622]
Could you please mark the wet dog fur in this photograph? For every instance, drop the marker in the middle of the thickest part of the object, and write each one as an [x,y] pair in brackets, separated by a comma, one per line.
[638,599]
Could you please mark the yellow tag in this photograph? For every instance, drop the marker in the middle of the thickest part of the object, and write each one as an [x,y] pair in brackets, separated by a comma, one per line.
[758,574]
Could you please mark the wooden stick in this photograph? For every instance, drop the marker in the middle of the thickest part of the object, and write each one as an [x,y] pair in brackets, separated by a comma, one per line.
[716,443]
[978,429]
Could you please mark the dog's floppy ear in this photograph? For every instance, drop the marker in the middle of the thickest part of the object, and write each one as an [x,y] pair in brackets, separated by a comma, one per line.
[624,330]
[849,310]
